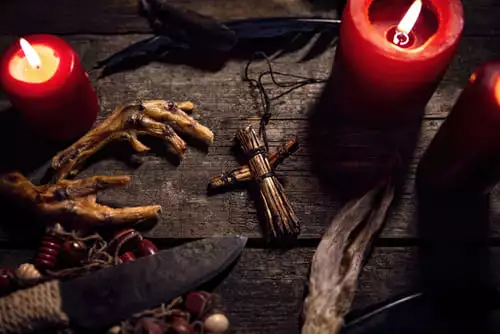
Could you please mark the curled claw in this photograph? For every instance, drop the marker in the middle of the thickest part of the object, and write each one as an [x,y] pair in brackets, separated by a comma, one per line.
[74,200]
[174,113]
[129,121]
[163,131]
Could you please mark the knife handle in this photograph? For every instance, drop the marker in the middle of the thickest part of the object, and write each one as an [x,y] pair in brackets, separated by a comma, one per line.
[31,309]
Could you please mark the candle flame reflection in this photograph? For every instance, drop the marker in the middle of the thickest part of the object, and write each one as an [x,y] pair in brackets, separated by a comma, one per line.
[30,53]
[407,23]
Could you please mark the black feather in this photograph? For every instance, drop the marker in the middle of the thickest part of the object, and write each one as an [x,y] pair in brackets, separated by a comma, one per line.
[187,26]
[139,54]
[183,32]
[280,26]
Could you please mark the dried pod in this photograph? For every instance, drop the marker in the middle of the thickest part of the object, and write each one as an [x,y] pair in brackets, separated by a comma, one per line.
[28,272]
[216,323]
[196,302]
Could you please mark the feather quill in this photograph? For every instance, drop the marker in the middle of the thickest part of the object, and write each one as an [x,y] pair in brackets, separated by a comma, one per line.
[180,31]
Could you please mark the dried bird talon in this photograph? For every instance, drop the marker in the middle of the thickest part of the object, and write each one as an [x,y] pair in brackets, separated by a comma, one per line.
[127,122]
[78,204]
[136,143]
[186,106]
[162,110]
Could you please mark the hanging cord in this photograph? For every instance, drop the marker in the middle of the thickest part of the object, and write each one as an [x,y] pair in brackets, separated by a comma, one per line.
[300,81]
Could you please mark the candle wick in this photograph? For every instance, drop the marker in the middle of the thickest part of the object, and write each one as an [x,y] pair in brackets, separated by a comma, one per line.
[401,38]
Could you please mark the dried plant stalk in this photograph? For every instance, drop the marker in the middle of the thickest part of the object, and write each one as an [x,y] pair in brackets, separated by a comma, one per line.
[74,200]
[280,217]
[338,260]
[243,173]
[127,122]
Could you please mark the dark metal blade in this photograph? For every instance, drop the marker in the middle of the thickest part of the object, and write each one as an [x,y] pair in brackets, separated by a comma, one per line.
[106,297]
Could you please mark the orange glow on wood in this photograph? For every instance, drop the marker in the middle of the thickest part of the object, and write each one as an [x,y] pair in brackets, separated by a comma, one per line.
[497,90]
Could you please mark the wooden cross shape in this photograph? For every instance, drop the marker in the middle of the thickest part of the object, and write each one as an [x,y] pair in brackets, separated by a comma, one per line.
[280,217]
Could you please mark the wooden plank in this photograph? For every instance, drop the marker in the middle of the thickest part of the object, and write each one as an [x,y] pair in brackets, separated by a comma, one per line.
[269,285]
[224,93]
[265,290]
[121,16]
[189,212]
[225,104]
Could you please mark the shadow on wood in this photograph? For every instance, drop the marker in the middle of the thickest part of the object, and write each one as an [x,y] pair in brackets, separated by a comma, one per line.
[454,259]
[351,156]
[23,151]
[324,5]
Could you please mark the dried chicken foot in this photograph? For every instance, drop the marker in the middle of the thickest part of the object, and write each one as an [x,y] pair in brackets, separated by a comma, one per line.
[174,113]
[125,123]
[74,200]
[243,173]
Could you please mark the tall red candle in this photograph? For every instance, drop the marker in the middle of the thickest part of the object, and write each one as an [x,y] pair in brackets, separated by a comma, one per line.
[465,153]
[45,81]
[392,54]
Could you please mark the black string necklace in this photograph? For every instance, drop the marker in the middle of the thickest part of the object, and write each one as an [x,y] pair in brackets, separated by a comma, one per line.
[300,81]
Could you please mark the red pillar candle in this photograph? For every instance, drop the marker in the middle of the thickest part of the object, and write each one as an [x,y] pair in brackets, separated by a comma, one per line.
[465,153]
[44,79]
[392,54]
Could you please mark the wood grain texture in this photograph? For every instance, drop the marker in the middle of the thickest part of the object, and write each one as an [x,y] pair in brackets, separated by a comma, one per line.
[225,104]
[264,291]
[121,16]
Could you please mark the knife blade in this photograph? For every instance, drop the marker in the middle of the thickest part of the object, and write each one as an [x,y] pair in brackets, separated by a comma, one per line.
[105,297]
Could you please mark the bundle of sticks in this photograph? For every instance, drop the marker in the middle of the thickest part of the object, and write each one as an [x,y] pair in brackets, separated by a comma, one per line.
[281,220]
[244,174]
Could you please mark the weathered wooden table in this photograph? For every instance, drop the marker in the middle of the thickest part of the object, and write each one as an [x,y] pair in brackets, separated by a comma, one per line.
[264,292]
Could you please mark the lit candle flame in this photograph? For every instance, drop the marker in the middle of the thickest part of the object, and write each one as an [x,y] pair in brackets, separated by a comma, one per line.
[30,53]
[407,23]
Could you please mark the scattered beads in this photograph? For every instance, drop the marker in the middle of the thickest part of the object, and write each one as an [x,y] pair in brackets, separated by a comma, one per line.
[146,248]
[196,302]
[216,323]
[27,271]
